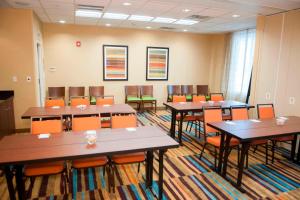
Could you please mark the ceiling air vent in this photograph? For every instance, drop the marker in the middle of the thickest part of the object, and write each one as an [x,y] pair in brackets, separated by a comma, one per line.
[199,17]
[167,28]
[90,7]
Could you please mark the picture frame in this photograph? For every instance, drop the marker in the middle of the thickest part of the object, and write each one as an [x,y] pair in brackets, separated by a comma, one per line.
[115,63]
[157,65]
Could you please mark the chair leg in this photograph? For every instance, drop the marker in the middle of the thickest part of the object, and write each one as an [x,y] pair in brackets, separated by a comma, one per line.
[202,150]
[267,154]
[215,155]
[247,159]
[238,154]
[65,182]
[187,125]
[139,165]
[191,126]
[113,177]
[273,150]
[104,170]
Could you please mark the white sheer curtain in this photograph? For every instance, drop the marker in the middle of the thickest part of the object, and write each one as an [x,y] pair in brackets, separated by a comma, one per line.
[238,66]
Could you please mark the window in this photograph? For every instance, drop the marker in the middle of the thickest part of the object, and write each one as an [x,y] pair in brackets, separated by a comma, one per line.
[238,66]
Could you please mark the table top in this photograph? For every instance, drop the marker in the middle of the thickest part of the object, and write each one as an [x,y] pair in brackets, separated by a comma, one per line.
[73,110]
[247,130]
[190,106]
[28,148]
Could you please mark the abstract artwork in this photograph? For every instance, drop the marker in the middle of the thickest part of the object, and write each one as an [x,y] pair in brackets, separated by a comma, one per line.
[157,63]
[115,63]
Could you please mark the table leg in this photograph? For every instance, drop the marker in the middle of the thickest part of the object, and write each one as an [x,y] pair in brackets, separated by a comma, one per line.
[9,180]
[221,153]
[226,154]
[180,128]
[20,182]
[149,169]
[245,148]
[293,149]
[298,154]
[173,124]
[160,173]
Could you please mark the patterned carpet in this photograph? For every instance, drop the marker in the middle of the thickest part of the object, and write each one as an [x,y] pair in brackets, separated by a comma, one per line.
[185,175]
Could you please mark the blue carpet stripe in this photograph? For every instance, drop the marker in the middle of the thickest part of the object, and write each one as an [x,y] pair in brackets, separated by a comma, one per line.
[91,179]
[197,165]
[203,188]
[136,193]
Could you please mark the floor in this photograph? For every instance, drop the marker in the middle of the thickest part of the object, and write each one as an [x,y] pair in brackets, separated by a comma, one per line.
[185,175]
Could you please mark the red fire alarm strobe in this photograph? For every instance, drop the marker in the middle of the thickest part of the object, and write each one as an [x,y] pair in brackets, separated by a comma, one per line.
[78,43]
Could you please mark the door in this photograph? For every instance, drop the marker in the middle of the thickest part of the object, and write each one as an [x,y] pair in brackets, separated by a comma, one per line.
[41,76]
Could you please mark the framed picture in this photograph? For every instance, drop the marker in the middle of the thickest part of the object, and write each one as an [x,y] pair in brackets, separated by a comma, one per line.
[157,67]
[115,63]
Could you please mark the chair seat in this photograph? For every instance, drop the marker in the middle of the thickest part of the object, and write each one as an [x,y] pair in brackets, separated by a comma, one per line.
[284,138]
[216,140]
[148,99]
[129,158]
[133,99]
[90,162]
[44,168]
[258,142]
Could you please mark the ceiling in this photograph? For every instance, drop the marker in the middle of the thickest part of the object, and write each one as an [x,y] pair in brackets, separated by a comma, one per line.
[218,12]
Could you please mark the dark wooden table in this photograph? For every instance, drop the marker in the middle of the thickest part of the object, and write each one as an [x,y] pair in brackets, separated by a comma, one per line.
[73,110]
[182,108]
[249,130]
[18,150]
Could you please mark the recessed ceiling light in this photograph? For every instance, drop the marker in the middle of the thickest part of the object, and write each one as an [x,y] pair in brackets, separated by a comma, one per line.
[186,10]
[164,20]
[115,16]
[126,4]
[62,21]
[107,24]
[186,22]
[88,13]
[235,16]
[140,18]
[148,27]
[184,30]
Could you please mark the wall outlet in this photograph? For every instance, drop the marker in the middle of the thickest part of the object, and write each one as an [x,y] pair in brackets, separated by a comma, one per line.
[268,96]
[15,79]
[292,100]
[28,78]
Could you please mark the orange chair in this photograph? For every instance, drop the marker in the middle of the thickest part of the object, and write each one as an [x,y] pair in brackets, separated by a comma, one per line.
[216,97]
[198,98]
[214,114]
[241,113]
[193,119]
[125,121]
[108,100]
[51,168]
[80,101]
[266,111]
[54,102]
[84,123]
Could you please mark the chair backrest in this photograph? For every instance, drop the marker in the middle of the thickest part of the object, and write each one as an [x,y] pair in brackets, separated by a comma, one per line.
[199,98]
[211,114]
[178,99]
[239,113]
[216,97]
[109,100]
[46,126]
[56,92]
[123,121]
[202,89]
[76,92]
[265,111]
[187,89]
[54,102]
[174,90]
[132,90]
[96,91]
[147,90]
[86,123]
[80,101]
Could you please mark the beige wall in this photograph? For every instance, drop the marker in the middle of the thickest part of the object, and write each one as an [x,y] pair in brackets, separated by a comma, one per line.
[191,56]
[17,59]
[276,64]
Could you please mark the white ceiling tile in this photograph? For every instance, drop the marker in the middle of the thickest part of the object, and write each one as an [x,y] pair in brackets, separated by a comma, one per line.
[92,2]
